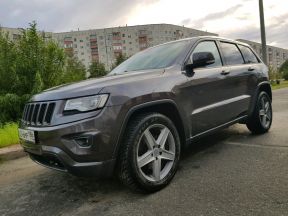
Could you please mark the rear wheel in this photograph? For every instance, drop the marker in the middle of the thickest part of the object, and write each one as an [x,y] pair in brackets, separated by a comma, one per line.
[261,119]
[150,153]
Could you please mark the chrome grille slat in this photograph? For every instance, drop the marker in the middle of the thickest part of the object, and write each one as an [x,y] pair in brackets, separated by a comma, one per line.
[39,114]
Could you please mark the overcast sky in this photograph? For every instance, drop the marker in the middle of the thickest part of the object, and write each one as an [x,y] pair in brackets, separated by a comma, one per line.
[233,19]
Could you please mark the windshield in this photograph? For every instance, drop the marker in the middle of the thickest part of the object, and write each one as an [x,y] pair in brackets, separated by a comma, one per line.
[153,58]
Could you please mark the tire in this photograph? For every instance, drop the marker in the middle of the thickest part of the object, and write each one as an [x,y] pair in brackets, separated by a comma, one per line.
[261,119]
[141,144]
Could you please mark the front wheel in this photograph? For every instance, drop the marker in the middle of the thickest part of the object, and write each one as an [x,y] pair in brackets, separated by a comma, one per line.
[261,119]
[150,153]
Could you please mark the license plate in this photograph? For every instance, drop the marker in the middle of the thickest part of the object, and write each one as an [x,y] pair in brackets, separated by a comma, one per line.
[27,135]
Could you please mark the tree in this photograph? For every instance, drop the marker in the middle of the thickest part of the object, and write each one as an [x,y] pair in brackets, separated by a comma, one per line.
[8,76]
[97,69]
[29,65]
[74,71]
[119,59]
[284,70]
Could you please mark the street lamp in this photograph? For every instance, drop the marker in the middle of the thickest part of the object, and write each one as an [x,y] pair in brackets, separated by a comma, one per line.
[263,34]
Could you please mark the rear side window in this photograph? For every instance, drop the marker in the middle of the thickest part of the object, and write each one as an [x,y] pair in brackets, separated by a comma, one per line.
[209,46]
[248,55]
[231,54]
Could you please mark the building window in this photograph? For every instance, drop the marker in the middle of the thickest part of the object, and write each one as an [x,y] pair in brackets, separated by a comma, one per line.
[123,35]
[75,39]
[81,40]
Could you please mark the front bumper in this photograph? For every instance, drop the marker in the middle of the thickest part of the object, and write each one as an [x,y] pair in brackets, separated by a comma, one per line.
[58,147]
[55,158]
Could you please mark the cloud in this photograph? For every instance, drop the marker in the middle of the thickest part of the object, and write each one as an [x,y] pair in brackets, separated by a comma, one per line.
[218,15]
[224,17]
[65,15]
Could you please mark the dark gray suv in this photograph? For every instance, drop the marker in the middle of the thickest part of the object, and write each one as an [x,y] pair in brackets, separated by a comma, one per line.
[136,121]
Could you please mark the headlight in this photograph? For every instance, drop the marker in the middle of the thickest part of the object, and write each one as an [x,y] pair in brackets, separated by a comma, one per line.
[85,104]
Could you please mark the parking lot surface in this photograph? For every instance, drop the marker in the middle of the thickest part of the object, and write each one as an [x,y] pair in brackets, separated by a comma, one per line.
[229,173]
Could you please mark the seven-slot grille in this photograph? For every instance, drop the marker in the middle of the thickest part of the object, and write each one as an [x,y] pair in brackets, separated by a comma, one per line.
[38,113]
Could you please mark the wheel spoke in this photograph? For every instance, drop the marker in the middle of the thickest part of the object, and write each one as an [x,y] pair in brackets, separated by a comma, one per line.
[163,137]
[145,159]
[149,139]
[262,112]
[157,169]
[264,120]
[266,107]
[268,117]
[167,155]
[263,103]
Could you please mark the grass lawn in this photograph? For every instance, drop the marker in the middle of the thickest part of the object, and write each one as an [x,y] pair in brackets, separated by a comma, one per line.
[9,135]
[283,84]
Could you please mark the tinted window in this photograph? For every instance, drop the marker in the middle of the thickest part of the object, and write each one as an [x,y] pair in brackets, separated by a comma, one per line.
[209,46]
[231,54]
[248,55]
[156,57]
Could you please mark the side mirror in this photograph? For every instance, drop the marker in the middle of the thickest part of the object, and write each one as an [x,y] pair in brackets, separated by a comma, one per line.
[201,59]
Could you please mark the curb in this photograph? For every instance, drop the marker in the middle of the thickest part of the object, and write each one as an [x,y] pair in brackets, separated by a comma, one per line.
[11,153]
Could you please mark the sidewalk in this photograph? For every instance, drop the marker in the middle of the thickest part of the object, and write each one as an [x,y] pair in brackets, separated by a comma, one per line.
[11,152]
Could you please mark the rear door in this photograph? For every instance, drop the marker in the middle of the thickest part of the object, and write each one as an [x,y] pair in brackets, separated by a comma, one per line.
[253,66]
[237,80]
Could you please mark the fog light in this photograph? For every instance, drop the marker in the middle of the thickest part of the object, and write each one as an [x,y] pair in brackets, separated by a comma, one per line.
[83,141]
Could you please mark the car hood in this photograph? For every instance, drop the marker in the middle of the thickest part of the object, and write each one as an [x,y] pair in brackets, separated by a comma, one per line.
[93,86]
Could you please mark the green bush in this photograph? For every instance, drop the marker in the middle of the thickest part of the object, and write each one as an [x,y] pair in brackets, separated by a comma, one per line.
[11,107]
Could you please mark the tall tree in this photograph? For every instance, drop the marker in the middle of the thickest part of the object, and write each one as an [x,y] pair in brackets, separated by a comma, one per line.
[97,69]
[119,59]
[284,70]
[7,64]
[74,71]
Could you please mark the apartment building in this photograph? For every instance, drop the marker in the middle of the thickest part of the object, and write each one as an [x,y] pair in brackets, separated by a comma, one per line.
[275,56]
[14,33]
[105,45]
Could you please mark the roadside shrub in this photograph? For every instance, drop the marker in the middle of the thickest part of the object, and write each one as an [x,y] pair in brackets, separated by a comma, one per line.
[11,107]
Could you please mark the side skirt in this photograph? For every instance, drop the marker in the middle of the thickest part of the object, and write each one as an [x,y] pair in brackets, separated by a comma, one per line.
[213,130]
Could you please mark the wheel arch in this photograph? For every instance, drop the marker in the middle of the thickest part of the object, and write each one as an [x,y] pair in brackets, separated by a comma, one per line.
[165,107]
[263,86]
[266,87]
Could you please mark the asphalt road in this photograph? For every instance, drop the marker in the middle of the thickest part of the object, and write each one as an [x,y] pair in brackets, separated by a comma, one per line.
[229,173]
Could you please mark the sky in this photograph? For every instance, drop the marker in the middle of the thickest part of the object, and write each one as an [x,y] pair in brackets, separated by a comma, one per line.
[228,18]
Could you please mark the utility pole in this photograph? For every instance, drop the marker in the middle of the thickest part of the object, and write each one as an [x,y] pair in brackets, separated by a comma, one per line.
[263,34]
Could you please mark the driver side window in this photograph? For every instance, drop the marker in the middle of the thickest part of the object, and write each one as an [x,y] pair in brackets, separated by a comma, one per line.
[209,46]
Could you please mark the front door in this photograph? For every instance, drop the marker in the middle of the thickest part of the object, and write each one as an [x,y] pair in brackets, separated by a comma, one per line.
[207,92]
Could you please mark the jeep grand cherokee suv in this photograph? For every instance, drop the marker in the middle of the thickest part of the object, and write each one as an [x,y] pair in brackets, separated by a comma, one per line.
[136,121]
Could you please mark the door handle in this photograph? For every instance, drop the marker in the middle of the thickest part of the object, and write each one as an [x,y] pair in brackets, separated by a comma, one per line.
[251,69]
[225,72]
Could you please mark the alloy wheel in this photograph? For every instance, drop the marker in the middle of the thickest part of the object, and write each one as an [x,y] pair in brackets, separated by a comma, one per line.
[265,112]
[156,152]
